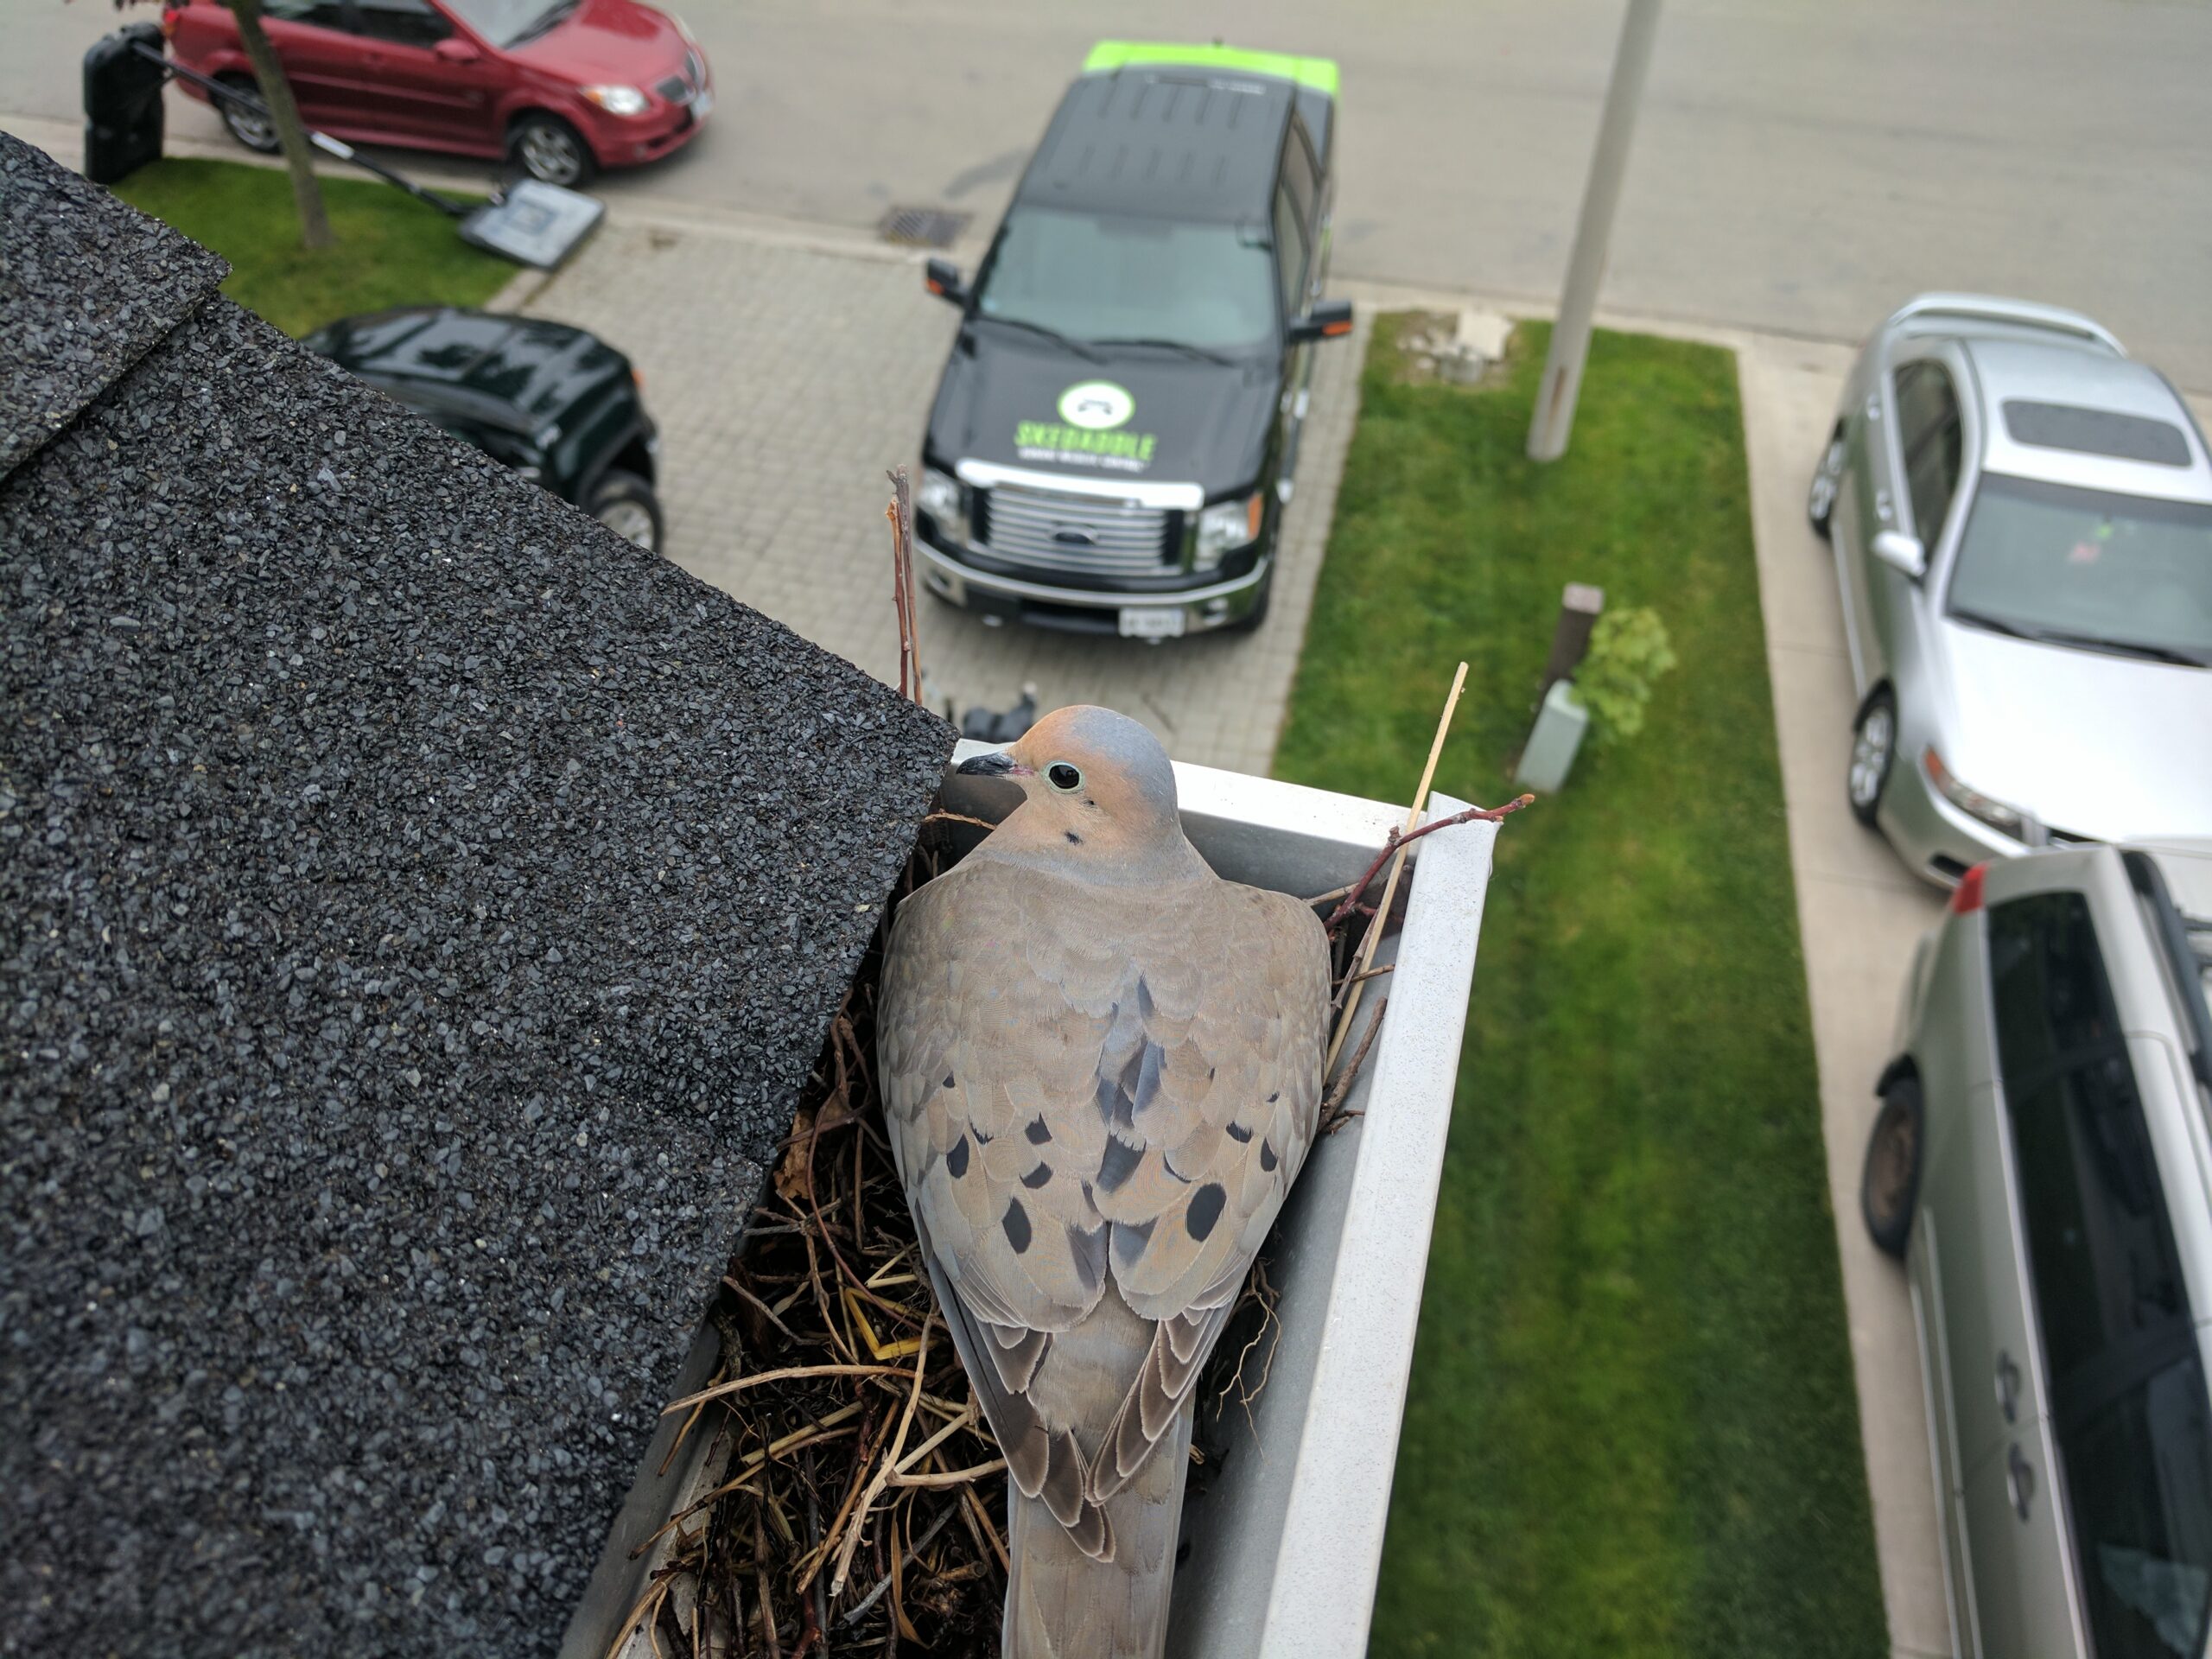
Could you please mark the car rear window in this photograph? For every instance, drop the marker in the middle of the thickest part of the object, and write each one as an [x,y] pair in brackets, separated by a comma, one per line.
[437,347]
[2129,1405]
[2097,432]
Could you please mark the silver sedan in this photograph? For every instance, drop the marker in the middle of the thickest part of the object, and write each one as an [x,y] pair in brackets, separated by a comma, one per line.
[2022,521]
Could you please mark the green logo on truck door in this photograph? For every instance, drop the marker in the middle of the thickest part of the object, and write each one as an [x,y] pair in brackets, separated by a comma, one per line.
[1088,432]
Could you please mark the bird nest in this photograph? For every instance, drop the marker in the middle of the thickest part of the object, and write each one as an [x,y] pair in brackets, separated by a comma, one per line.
[859,1500]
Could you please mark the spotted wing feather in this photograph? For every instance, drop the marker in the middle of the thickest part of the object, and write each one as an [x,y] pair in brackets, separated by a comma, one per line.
[1094,1091]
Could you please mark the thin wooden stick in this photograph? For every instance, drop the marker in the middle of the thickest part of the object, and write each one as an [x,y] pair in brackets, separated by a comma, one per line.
[1333,1116]
[930,1444]
[882,1477]
[901,514]
[757,1377]
[1365,959]
[951,1477]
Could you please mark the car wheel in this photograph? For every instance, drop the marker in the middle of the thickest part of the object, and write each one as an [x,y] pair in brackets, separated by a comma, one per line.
[552,152]
[1873,751]
[1890,1186]
[251,127]
[1827,479]
[626,504]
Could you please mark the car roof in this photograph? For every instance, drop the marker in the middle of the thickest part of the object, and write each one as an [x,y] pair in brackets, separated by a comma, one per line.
[2185,863]
[2072,412]
[1183,140]
[504,371]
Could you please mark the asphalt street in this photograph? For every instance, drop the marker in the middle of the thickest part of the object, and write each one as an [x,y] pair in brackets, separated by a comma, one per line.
[1799,167]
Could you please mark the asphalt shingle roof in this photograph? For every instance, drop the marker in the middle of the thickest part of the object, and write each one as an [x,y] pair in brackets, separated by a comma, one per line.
[418,906]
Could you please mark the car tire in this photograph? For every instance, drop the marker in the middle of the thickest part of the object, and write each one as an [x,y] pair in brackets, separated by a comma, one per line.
[1827,480]
[1874,753]
[626,504]
[256,132]
[1889,1185]
[551,151]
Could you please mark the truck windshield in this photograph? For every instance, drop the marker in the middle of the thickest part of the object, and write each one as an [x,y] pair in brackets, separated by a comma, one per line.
[2120,572]
[1093,277]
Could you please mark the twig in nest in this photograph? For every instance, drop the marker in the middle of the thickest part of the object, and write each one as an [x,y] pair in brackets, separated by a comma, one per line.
[1263,1294]
[920,1544]
[1365,959]
[1333,1116]
[889,1466]
[1396,839]
[1349,980]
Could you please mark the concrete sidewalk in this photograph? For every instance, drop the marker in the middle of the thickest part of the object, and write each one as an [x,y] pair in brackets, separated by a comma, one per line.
[1859,911]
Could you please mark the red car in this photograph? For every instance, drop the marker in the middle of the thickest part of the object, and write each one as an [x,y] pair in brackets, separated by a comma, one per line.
[564,86]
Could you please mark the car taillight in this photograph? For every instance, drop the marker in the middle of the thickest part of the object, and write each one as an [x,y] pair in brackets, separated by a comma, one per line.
[1966,898]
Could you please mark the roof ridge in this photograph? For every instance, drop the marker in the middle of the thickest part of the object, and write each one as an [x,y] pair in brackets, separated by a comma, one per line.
[65,338]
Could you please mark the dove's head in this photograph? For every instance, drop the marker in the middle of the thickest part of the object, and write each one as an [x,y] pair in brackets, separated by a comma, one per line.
[1095,783]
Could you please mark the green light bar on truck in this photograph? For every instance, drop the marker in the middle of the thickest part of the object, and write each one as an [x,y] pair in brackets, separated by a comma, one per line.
[1318,73]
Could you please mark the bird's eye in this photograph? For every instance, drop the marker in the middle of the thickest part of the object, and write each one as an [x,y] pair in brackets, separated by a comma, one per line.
[1064,777]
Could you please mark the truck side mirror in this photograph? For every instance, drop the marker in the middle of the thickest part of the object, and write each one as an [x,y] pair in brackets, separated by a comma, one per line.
[1900,552]
[454,49]
[1331,320]
[942,278]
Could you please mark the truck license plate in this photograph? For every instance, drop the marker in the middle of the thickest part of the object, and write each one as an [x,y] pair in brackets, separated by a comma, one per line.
[1153,622]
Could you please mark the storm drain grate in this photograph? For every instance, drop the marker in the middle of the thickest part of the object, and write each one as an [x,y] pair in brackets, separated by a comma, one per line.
[922,227]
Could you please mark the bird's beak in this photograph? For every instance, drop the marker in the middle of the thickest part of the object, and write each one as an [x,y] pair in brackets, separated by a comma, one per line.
[997,763]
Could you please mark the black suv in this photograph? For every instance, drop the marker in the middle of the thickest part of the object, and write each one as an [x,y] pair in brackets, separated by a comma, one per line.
[558,405]
[1114,434]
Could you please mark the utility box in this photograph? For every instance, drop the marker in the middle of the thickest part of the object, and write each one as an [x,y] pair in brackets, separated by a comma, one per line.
[123,104]
[1560,726]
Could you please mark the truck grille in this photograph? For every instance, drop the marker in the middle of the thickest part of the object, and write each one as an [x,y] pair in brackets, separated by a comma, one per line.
[1078,533]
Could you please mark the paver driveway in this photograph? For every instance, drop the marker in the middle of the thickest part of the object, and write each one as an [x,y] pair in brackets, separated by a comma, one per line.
[788,372]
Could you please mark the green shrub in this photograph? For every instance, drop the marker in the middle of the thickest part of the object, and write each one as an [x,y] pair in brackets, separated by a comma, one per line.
[1627,653]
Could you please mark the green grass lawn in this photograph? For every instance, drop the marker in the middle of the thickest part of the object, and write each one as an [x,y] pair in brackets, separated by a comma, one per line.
[1632,1427]
[392,250]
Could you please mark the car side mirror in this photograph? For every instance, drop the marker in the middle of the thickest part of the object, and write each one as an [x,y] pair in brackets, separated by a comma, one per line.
[942,278]
[1901,552]
[1331,320]
[454,49]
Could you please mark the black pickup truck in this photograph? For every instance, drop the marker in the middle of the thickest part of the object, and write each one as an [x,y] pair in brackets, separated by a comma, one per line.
[1115,433]
[560,406]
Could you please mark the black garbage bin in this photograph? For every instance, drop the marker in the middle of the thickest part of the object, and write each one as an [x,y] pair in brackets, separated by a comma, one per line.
[123,104]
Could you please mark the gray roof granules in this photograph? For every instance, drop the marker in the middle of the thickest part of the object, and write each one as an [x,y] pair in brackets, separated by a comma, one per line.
[417,909]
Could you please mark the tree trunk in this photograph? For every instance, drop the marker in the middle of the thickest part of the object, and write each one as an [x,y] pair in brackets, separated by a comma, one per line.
[284,114]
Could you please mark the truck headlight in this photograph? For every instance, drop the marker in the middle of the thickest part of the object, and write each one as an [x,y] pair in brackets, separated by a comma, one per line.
[616,100]
[1225,526]
[940,496]
[2004,820]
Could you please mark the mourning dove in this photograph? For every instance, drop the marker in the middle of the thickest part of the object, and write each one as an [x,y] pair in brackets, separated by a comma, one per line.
[1101,1067]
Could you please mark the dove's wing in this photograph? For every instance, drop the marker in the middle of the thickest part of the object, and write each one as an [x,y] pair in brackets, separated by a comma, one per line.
[1084,1083]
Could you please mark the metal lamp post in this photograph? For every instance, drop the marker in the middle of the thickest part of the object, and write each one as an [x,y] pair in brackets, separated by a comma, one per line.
[1555,394]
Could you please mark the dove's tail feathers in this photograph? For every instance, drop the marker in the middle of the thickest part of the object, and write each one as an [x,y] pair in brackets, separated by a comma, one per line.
[1063,1604]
